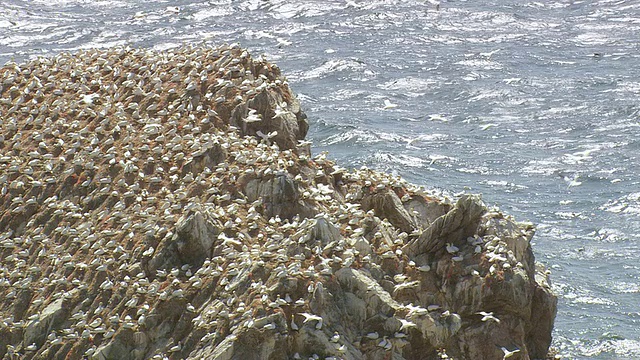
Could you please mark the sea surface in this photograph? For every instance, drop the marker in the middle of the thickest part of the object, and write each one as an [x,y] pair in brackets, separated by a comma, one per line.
[534,104]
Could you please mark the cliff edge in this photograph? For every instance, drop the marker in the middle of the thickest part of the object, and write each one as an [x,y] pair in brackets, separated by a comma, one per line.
[163,205]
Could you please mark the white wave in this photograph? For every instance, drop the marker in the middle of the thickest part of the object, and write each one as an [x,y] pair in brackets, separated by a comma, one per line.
[628,204]
[401,159]
[481,64]
[623,287]
[628,348]
[214,11]
[334,65]
[608,235]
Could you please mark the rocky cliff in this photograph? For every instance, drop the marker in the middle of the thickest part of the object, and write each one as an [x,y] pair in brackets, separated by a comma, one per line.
[165,205]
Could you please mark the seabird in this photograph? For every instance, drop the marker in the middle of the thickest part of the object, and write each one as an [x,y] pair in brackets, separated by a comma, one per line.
[507,353]
[388,105]
[486,316]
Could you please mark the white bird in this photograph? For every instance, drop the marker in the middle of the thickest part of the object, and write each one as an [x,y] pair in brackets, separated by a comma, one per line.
[416,310]
[385,343]
[252,117]
[437,117]
[452,249]
[572,181]
[335,338]
[268,136]
[283,42]
[308,317]
[489,54]
[88,99]
[487,126]
[406,324]
[388,105]
[304,143]
[495,257]
[132,302]
[280,110]
[492,269]
[507,353]
[488,316]
[172,10]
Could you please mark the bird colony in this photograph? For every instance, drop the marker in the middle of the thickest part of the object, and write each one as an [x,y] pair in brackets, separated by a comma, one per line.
[165,205]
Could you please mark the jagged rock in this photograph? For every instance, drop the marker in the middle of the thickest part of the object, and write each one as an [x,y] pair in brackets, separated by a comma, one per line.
[425,210]
[377,300]
[196,233]
[544,306]
[208,157]
[279,196]
[453,227]
[317,230]
[254,343]
[138,221]
[279,113]
[126,345]
[38,329]
[387,205]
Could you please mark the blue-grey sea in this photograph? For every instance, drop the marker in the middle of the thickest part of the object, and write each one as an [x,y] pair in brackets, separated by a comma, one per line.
[534,104]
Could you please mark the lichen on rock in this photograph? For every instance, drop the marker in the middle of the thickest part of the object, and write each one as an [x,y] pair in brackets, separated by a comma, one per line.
[159,205]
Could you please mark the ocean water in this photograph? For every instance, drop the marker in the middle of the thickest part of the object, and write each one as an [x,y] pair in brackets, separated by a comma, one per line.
[536,105]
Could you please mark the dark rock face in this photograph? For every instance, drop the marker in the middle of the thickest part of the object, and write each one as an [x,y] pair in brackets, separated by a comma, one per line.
[158,205]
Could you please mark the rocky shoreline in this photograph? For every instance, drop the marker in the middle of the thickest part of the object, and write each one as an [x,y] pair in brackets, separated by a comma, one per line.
[165,205]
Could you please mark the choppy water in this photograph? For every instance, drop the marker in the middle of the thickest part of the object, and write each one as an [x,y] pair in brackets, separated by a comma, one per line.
[534,104]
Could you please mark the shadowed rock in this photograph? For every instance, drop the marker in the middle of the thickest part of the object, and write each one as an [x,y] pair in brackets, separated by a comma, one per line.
[454,227]
[279,195]
[386,204]
[196,233]
[319,230]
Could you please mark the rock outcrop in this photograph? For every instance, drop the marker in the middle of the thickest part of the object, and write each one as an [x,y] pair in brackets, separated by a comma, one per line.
[160,205]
